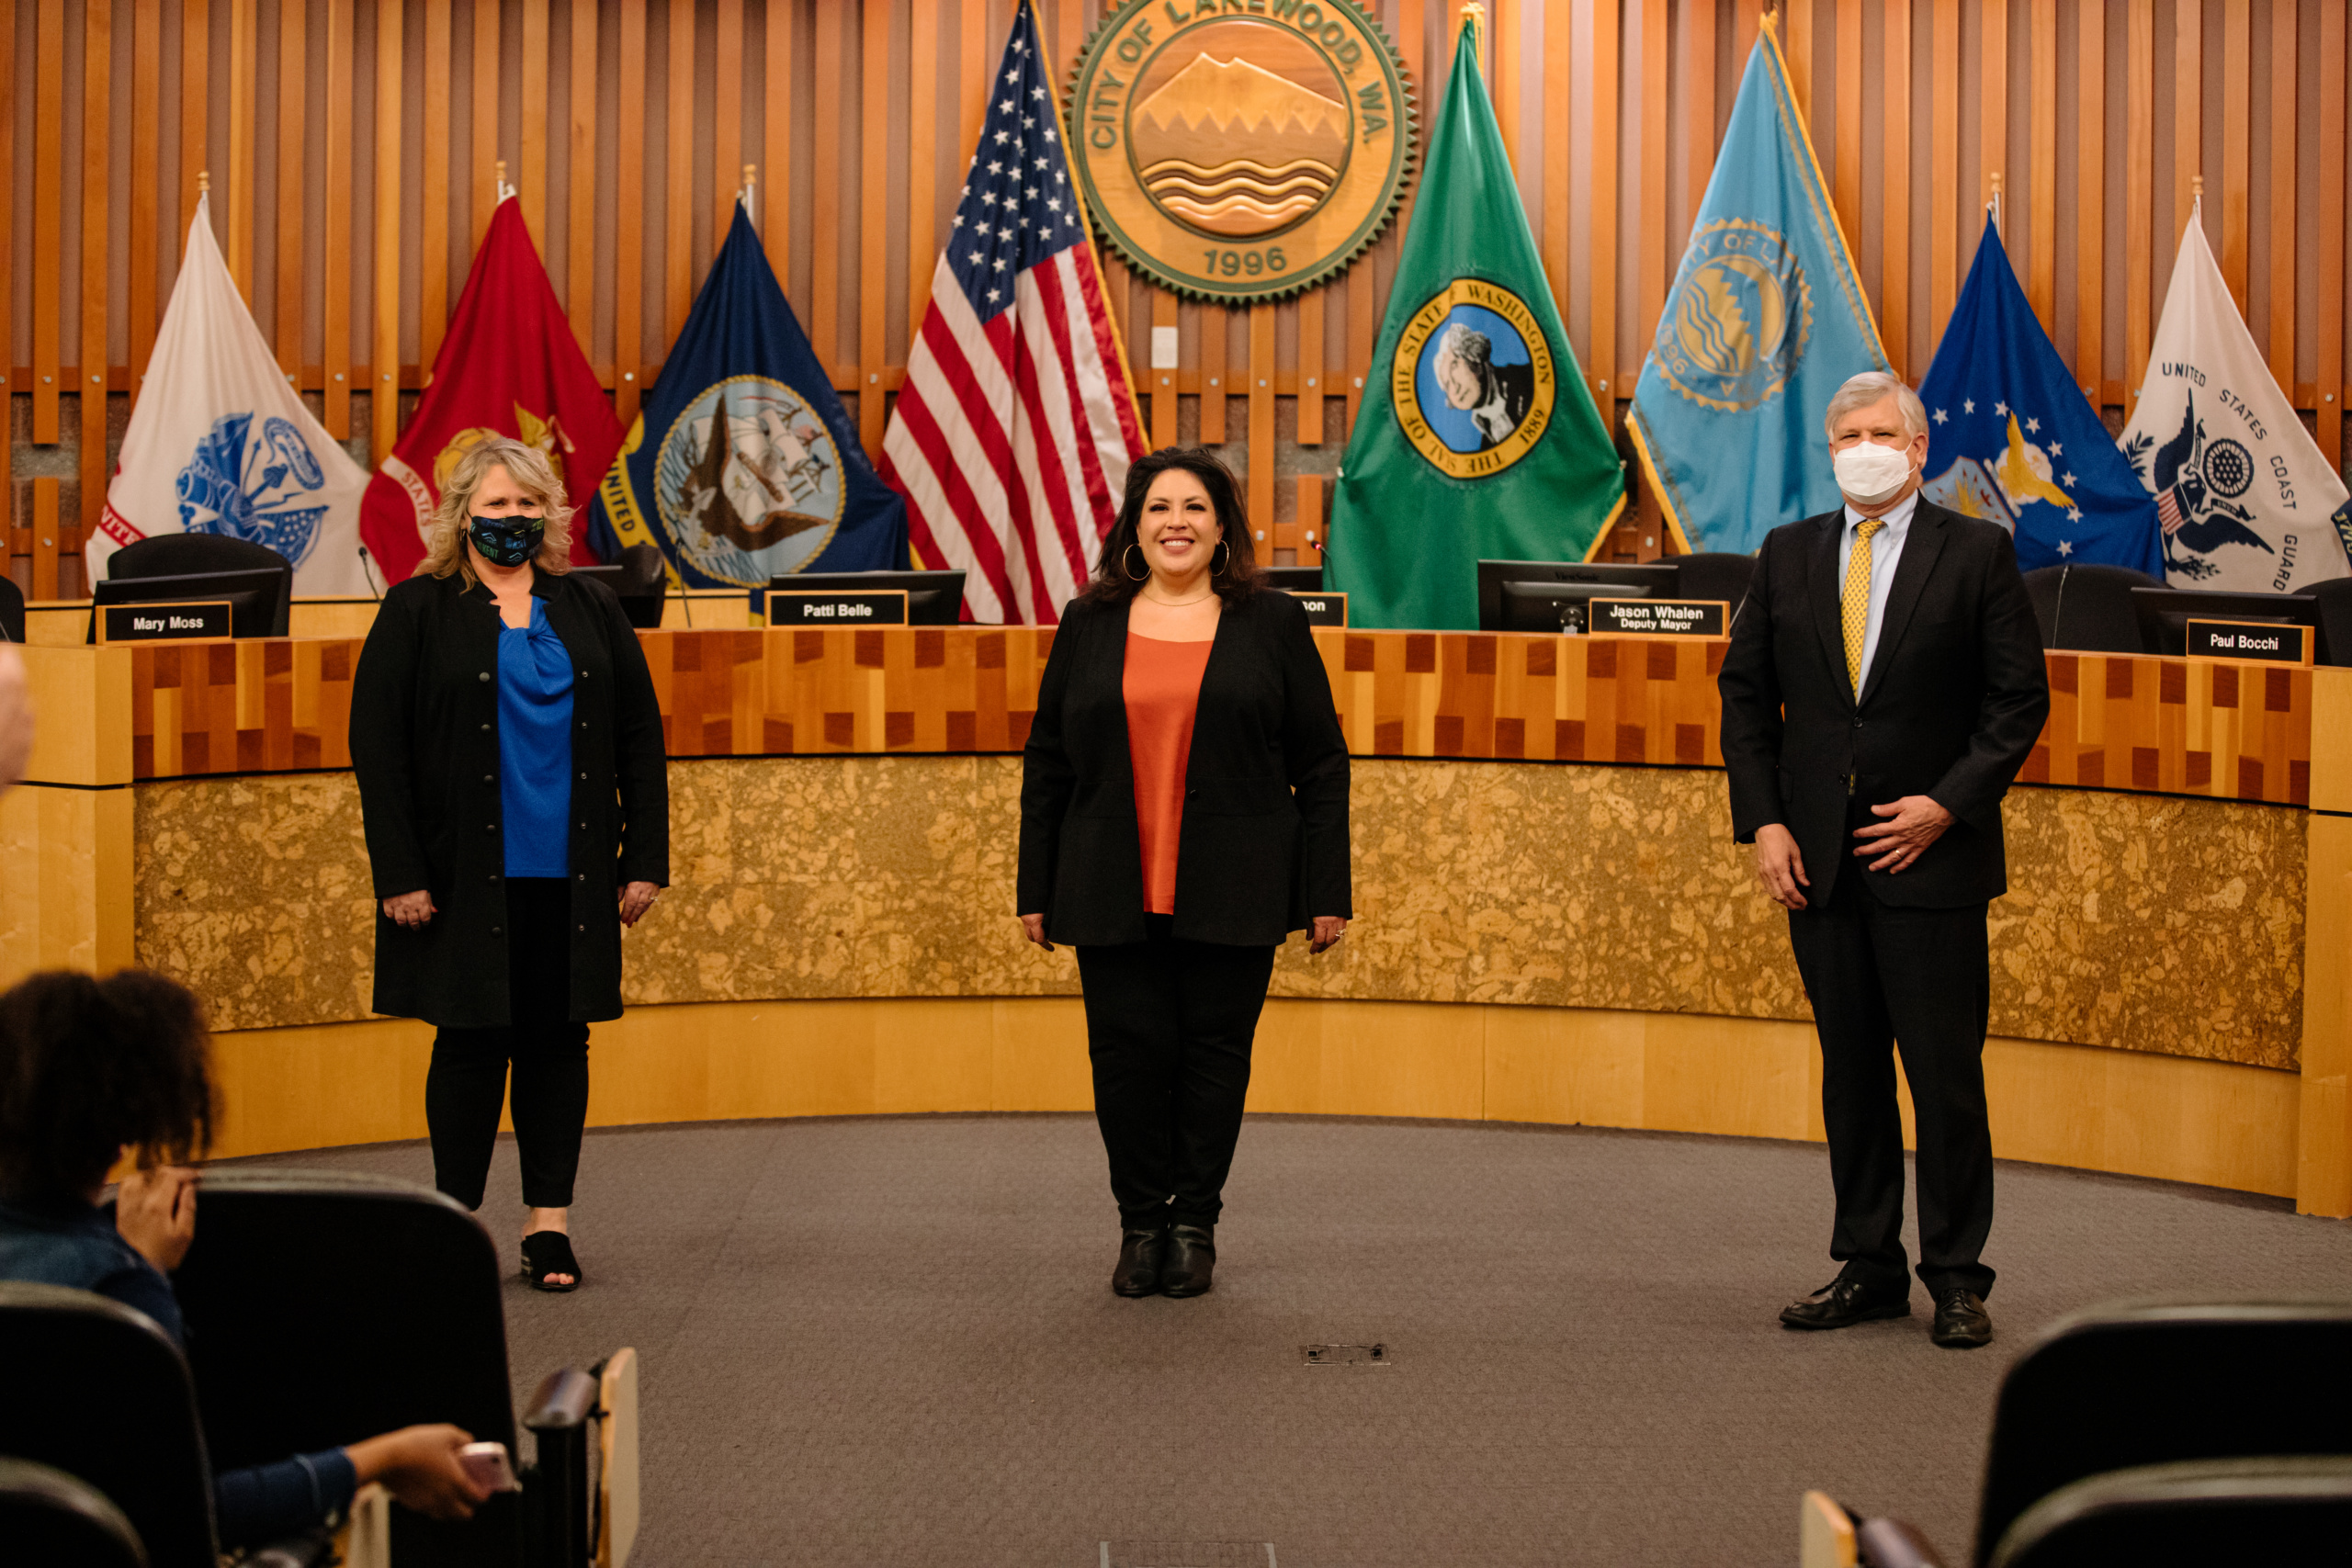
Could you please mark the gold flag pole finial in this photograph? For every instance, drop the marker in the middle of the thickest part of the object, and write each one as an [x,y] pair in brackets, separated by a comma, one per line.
[1478,15]
[750,192]
[1995,201]
[203,181]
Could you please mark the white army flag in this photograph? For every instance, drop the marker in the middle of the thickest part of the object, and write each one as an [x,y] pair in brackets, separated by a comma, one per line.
[220,444]
[2245,500]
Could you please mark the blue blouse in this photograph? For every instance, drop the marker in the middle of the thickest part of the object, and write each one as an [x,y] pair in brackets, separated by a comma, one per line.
[76,1246]
[534,746]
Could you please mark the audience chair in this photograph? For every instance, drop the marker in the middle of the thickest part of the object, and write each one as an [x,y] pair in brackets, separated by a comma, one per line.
[99,1392]
[12,610]
[645,578]
[2151,1384]
[50,1520]
[2335,598]
[179,555]
[300,1280]
[1714,574]
[2190,1516]
[2157,1383]
[2088,608]
[321,1308]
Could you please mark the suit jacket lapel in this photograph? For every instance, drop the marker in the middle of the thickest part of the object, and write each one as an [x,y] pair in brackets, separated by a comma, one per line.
[1821,587]
[1920,548]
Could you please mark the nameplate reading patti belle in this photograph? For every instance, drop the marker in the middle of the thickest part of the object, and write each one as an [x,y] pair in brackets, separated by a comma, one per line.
[1240,152]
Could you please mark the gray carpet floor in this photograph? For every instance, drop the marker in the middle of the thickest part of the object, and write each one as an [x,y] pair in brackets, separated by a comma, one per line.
[891,1341]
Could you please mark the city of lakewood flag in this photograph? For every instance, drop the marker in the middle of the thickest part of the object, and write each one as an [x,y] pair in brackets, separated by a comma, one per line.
[2244,499]
[2011,439]
[1476,436]
[508,366]
[220,443]
[743,464]
[1765,320]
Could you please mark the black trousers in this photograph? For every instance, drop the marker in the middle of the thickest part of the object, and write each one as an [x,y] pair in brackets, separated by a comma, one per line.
[1881,978]
[467,1084]
[1169,1025]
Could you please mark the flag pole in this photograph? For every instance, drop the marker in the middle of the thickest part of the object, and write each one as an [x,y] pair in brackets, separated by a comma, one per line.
[503,189]
[1995,205]
[750,192]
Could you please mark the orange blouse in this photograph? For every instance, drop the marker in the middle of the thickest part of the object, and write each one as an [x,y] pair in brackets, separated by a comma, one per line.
[1162,686]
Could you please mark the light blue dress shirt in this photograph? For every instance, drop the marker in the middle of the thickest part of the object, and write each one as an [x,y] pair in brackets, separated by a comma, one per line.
[1887,548]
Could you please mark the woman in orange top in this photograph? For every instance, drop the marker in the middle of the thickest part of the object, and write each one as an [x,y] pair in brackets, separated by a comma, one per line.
[1183,809]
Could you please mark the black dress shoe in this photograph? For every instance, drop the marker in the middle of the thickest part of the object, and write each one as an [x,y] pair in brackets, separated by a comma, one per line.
[1141,1254]
[1191,1257]
[1961,1322]
[1845,1301]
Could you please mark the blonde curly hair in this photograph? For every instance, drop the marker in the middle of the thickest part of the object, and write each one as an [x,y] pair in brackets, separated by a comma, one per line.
[445,547]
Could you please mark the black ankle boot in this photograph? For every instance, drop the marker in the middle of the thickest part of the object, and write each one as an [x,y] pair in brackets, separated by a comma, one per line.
[1141,1254]
[1191,1257]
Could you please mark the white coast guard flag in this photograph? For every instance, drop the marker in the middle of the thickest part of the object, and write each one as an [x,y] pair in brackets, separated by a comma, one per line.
[2245,501]
[220,444]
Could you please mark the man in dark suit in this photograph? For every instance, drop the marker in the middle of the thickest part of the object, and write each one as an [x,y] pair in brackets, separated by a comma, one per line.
[1883,685]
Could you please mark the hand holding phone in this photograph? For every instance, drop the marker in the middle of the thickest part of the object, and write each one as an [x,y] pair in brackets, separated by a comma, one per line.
[487,1465]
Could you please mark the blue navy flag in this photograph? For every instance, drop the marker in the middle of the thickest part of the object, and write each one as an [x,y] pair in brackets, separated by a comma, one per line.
[2011,438]
[742,465]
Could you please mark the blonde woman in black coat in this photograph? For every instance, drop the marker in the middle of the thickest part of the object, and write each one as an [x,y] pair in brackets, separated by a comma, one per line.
[508,747]
[1183,808]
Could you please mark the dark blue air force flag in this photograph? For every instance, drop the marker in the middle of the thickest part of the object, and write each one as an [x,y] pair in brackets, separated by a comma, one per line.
[742,465]
[2010,438]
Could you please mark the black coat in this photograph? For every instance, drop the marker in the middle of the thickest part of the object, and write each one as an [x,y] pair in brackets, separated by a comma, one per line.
[1952,704]
[1264,844]
[425,745]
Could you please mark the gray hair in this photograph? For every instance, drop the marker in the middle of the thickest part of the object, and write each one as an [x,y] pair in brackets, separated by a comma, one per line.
[1466,342]
[1870,387]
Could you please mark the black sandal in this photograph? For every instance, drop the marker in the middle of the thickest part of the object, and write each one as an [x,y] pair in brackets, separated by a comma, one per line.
[546,1253]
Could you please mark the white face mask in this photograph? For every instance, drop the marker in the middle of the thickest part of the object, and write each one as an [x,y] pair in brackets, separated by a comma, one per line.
[1871,473]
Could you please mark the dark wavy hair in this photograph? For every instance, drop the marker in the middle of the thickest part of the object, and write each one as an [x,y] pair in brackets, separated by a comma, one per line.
[1236,581]
[89,1067]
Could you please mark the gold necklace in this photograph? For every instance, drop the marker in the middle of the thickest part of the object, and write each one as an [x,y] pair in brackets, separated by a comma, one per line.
[1180,604]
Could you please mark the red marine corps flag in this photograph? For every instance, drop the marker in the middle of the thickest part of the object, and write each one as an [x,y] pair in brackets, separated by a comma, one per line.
[509,366]
[1014,433]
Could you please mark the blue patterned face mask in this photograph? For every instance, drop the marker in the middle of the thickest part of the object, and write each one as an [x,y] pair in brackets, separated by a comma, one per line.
[507,541]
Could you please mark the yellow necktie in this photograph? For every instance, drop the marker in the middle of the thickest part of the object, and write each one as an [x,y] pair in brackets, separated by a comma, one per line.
[1858,599]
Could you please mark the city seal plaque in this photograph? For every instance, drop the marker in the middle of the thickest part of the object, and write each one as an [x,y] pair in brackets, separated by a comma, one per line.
[1242,151]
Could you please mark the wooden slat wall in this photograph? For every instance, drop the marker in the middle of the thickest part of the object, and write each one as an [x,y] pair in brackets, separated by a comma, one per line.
[1612,154]
[2197,726]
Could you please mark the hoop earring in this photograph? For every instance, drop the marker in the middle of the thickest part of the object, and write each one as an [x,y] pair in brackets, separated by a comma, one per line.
[1215,569]
[1133,575]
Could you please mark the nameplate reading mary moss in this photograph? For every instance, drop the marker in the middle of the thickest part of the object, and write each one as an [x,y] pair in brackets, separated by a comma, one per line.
[163,623]
[1659,617]
[2250,639]
[1322,609]
[881,607]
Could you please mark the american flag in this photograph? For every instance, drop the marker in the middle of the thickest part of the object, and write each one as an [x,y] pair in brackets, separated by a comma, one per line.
[1012,434]
[2169,511]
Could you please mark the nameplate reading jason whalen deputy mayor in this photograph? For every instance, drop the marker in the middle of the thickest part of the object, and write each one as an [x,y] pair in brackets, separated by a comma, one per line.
[881,607]
[1659,617]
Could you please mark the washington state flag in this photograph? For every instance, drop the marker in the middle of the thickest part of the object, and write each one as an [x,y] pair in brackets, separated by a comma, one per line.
[1476,436]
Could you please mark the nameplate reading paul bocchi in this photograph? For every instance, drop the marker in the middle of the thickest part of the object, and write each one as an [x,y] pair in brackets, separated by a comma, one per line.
[163,623]
[1659,617]
[2250,639]
[1327,610]
[881,607]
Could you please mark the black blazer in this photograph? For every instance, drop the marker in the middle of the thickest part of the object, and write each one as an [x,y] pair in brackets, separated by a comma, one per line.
[1265,845]
[425,745]
[1951,703]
